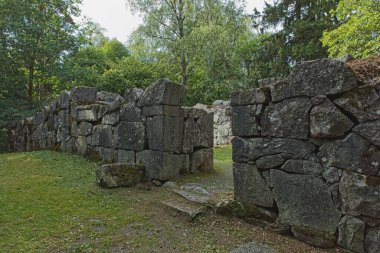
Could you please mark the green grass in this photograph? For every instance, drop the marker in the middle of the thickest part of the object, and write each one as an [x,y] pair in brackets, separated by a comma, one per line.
[223,154]
[50,200]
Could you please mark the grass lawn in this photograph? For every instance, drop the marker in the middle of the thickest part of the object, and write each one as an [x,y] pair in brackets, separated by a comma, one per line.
[49,202]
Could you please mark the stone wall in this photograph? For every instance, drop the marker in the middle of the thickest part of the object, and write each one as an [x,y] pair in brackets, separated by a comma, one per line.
[222,121]
[306,155]
[144,127]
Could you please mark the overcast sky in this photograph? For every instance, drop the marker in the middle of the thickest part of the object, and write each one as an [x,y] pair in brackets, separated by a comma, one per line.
[118,21]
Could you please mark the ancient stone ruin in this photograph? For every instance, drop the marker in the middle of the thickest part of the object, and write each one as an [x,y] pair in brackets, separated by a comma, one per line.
[307,154]
[222,121]
[144,127]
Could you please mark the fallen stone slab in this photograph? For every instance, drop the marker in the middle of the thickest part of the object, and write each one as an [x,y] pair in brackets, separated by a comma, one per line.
[119,175]
[193,197]
[189,210]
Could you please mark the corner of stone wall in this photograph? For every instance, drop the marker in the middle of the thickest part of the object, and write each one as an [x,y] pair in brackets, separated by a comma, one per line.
[306,155]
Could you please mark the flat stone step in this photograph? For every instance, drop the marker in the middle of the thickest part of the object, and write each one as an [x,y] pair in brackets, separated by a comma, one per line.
[189,210]
[193,197]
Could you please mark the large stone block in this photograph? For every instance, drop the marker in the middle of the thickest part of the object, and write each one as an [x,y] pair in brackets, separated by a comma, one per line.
[163,92]
[160,165]
[289,119]
[119,175]
[87,113]
[111,118]
[362,103]
[85,128]
[370,131]
[304,202]
[302,167]
[165,133]
[352,153]
[131,135]
[83,95]
[245,121]
[204,131]
[312,78]
[327,121]
[126,156]
[102,136]
[250,97]
[163,110]
[248,150]
[201,160]
[271,161]
[360,195]
[132,95]
[372,241]
[108,97]
[195,113]
[63,101]
[351,234]
[131,113]
[81,145]
[250,186]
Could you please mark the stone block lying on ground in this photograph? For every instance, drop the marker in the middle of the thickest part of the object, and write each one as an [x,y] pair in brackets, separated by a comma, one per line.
[119,175]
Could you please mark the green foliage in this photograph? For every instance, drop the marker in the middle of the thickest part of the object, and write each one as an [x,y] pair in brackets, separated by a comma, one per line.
[299,25]
[359,32]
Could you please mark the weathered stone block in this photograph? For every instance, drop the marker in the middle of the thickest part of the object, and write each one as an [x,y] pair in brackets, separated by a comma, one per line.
[131,135]
[163,110]
[87,113]
[269,162]
[351,234]
[353,153]
[165,133]
[326,121]
[103,136]
[204,132]
[132,95]
[362,103]
[372,241]
[250,97]
[201,160]
[248,150]
[126,156]
[332,175]
[160,165]
[131,113]
[106,155]
[162,92]
[304,201]
[302,167]
[360,195]
[108,97]
[245,121]
[111,118]
[195,113]
[81,145]
[63,101]
[119,175]
[250,187]
[289,119]
[83,95]
[85,128]
[370,131]
[312,78]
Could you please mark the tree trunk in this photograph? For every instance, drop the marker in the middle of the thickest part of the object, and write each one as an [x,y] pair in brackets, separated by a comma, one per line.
[184,69]
[30,84]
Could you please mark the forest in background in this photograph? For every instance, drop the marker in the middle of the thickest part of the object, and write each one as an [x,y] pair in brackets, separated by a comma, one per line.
[212,46]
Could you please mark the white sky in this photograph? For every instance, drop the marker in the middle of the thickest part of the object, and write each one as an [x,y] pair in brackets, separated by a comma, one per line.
[118,21]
